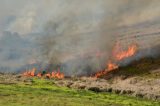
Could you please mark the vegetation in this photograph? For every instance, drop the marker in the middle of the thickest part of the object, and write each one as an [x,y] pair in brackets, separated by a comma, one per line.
[142,68]
[43,92]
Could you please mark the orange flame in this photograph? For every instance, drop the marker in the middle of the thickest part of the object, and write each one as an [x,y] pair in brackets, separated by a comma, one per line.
[118,56]
[100,73]
[58,74]
[30,73]
[110,67]
[54,74]
[39,75]
[128,53]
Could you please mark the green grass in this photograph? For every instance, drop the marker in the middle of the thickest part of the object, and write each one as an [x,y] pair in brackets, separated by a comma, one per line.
[43,92]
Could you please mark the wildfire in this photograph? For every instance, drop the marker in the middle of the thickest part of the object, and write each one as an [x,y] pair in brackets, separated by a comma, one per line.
[110,67]
[125,54]
[53,74]
[30,72]
[57,75]
[118,55]
[39,75]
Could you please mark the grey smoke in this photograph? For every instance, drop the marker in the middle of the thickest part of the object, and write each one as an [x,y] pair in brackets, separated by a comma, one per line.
[72,33]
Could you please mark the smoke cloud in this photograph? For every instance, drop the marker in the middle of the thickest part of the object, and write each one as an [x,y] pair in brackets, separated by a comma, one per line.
[76,35]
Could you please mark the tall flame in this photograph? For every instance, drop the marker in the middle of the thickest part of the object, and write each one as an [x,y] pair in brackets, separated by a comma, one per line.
[118,55]
[128,53]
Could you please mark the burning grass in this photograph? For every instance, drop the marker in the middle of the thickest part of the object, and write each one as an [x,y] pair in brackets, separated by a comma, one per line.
[42,92]
[117,55]
[142,68]
[41,89]
[53,74]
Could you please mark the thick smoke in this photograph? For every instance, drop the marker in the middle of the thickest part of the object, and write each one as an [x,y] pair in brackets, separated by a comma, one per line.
[76,35]
[75,42]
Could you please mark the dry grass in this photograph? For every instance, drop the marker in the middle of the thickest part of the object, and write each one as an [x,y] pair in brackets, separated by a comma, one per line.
[42,92]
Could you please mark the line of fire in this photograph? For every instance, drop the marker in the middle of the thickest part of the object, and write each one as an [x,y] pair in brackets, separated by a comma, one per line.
[117,55]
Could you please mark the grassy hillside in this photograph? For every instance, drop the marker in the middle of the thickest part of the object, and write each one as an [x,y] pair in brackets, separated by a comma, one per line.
[41,92]
[141,68]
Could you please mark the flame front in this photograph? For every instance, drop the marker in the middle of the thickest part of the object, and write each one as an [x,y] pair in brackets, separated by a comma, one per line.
[53,74]
[118,56]
[110,67]
[125,54]
[30,72]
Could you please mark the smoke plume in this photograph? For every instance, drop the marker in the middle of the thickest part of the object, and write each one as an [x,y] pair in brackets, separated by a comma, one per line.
[77,36]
